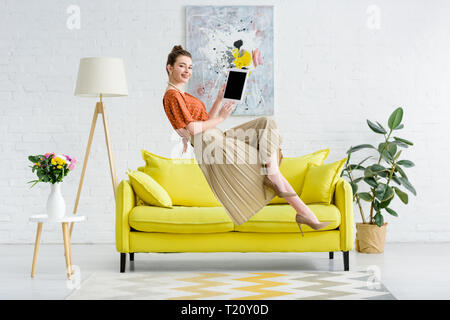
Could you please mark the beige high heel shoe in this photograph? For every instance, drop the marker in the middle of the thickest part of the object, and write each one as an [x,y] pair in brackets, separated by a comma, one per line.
[267,182]
[303,220]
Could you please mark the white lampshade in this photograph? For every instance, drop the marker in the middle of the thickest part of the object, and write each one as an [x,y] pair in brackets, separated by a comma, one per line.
[103,75]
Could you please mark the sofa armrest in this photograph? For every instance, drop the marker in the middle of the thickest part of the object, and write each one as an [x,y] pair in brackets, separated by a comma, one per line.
[125,201]
[343,196]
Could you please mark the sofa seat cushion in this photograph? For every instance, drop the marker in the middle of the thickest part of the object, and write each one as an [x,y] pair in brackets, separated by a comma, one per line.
[280,218]
[180,219]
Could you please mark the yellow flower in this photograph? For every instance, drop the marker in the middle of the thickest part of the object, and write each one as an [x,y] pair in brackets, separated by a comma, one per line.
[59,167]
[60,161]
[53,161]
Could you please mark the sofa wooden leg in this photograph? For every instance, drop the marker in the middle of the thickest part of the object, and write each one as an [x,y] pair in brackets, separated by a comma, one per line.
[123,259]
[131,256]
[346,261]
[331,254]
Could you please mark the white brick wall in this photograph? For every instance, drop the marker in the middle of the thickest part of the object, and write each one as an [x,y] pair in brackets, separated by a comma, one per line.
[332,73]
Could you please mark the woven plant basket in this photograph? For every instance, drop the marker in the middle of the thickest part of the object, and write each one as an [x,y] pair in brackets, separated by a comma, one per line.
[370,238]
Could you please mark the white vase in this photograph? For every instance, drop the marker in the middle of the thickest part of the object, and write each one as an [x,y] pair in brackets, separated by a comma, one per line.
[56,206]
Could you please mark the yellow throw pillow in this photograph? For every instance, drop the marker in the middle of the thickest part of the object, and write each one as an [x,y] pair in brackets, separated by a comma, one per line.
[182,179]
[320,182]
[148,190]
[294,170]
[139,201]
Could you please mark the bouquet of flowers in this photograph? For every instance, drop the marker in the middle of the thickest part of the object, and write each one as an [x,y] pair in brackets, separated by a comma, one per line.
[50,167]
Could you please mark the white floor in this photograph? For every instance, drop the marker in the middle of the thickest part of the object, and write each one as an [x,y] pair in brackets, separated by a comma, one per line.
[407,270]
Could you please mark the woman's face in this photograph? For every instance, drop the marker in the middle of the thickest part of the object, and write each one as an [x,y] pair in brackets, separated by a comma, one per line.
[181,71]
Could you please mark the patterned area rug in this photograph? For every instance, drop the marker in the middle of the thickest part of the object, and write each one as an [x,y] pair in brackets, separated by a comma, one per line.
[350,285]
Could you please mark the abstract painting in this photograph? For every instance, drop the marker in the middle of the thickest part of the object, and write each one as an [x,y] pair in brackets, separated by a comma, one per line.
[224,37]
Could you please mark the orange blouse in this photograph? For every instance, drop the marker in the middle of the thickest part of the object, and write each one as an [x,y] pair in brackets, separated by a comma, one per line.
[182,108]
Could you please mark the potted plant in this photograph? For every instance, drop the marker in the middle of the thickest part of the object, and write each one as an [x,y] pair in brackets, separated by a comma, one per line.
[380,176]
[52,168]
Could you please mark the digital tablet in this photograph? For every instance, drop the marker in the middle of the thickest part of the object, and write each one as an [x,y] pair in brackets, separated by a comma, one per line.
[236,82]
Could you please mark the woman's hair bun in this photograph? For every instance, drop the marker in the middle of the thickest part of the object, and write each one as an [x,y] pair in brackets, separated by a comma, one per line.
[177,48]
[176,51]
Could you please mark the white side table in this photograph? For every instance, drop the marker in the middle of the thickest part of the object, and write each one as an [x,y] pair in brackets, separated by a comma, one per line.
[40,219]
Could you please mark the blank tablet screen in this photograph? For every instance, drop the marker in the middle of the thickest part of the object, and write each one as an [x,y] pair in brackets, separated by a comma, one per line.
[235,85]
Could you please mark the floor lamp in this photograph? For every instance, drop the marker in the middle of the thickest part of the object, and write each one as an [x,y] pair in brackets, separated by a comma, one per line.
[100,77]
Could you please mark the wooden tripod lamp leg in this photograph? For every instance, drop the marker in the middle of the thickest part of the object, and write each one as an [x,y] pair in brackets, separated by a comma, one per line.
[112,165]
[99,109]
[86,157]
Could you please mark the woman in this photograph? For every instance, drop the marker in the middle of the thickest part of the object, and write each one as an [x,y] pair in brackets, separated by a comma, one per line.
[238,185]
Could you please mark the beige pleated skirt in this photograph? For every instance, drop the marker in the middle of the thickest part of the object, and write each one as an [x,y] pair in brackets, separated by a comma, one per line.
[234,164]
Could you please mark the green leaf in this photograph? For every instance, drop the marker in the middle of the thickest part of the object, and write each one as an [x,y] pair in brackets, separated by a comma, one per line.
[365,196]
[364,160]
[402,195]
[392,149]
[371,181]
[354,187]
[397,180]
[375,128]
[359,147]
[387,156]
[385,203]
[399,127]
[356,167]
[376,205]
[400,170]
[388,193]
[381,127]
[407,185]
[35,181]
[403,140]
[379,220]
[383,174]
[396,118]
[384,192]
[400,144]
[376,167]
[368,173]
[385,150]
[33,159]
[379,191]
[406,163]
[392,212]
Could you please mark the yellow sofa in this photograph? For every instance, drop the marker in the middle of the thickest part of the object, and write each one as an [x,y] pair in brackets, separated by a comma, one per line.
[197,222]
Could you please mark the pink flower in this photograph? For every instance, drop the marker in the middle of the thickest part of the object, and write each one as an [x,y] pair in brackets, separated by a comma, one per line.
[48,154]
[72,163]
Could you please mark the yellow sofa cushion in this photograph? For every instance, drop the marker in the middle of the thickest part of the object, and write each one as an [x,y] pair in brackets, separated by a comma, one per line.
[148,190]
[181,178]
[180,219]
[320,182]
[271,219]
[280,218]
[294,170]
